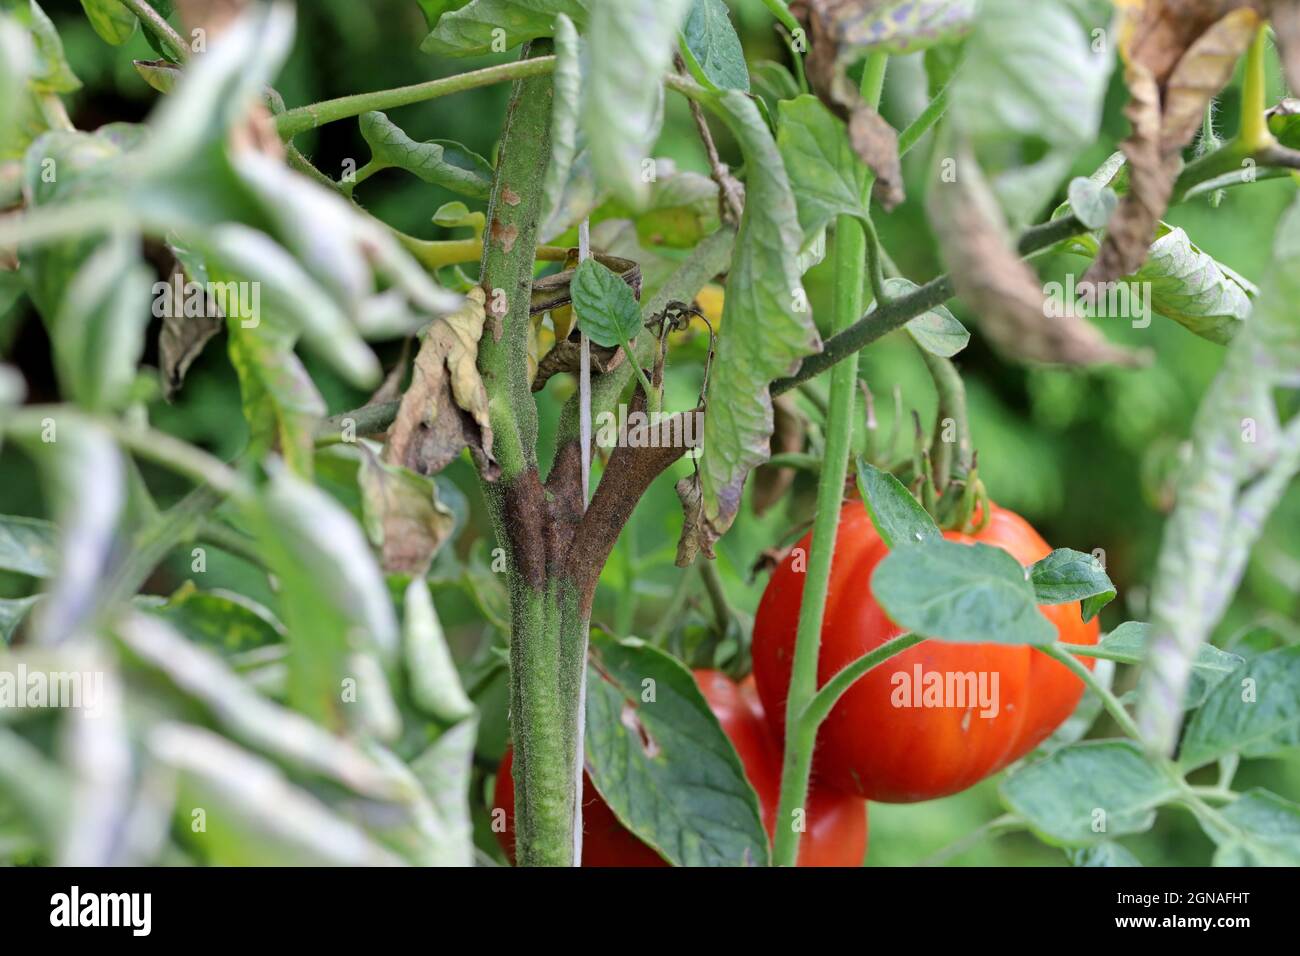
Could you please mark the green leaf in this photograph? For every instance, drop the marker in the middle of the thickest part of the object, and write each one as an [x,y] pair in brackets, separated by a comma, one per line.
[17,61]
[52,74]
[660,759]
[712,42]
[898,517]
[607,310]
[433,9]
[564,115]
[629,46]
[1103,854]
[1255,711]
[445,770]
[494,26]
[280,402]
[165,9]
[451,215]
[162,75]
[12,612]
[1268,831]
[28,546]
[772,83]
[1284,122]
[826,175]
[1089,793]
[114,23]
[333,598]
[1064,576]
[936,330]
[439,162]
[224,621]
[1194,290]
[99,329]
[435,685]
[970,593]
[767,328]
[1127,644]
[1091,202]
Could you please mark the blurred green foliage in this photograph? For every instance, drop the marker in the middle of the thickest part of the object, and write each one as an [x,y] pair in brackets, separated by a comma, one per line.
[1088,457]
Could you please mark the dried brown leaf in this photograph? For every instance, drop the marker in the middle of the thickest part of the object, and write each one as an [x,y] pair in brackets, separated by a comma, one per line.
[403,516]
[445,408]
[182,337]
[697,535]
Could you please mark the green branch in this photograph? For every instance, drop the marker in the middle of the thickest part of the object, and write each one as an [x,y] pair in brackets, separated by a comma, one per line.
[1057,652]
[156,23]
[292,122]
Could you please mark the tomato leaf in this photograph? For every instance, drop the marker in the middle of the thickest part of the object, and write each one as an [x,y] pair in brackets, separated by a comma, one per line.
[494,26]
[969,593]
[439,162]
[12,613]
[898,517]
[1088,793]
[1064,576]
[224,621]
[1103,854]
[658,756]
[629,46]
[114,23]
[564,115]
[607,310]
[434,683]
[1255,711]
[1194,290]
[1091,202]
[28,546]
[1127,644]
[936,330]
[826,175]
[1268,831]
[767,329]
[711,41]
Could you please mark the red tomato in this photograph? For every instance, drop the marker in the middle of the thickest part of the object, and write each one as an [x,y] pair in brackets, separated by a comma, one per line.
[836,823]
[877,742]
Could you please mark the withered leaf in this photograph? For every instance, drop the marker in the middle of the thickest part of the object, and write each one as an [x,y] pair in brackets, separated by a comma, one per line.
[565,356]
[836,44]
[996,284]
[697,535]
[402,515]
[445,408]
[182,337]
[1178,54]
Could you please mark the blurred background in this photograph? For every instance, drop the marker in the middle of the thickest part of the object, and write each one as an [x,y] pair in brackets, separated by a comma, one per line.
[1088,457]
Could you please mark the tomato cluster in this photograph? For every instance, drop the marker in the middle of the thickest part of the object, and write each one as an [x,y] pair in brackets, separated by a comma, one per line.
[836,823]
[885,741]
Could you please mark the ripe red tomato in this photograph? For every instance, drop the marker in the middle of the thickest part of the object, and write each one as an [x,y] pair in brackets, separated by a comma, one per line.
[876,742]
[836,822]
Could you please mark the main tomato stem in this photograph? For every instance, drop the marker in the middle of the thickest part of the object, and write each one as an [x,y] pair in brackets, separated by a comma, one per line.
[850,251]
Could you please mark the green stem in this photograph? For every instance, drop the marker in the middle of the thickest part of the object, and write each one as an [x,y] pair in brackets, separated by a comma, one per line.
[717,595]
[781,11]
[1003,824]
[1254,133]
[1113,707]
[155,23]
[292,122]
[951,390]
[824,701]
[910,136]
[850,250]
[228,539]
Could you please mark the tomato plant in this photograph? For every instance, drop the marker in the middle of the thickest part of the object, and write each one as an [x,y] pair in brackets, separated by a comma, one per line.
[383,383]
[836,824]
[880,741]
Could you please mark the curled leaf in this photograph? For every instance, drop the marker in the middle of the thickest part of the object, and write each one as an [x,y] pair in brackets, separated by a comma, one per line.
[402,515]
[446,407]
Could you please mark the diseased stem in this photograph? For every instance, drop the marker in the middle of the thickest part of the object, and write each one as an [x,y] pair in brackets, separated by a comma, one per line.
[850,250]
[292,122]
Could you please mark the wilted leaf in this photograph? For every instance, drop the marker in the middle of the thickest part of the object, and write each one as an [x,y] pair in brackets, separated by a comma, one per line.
[996,284]
[439,162]
[1193,289]
[402,514]
[446,407]
[186,328]
[1177,56]
[767,329]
